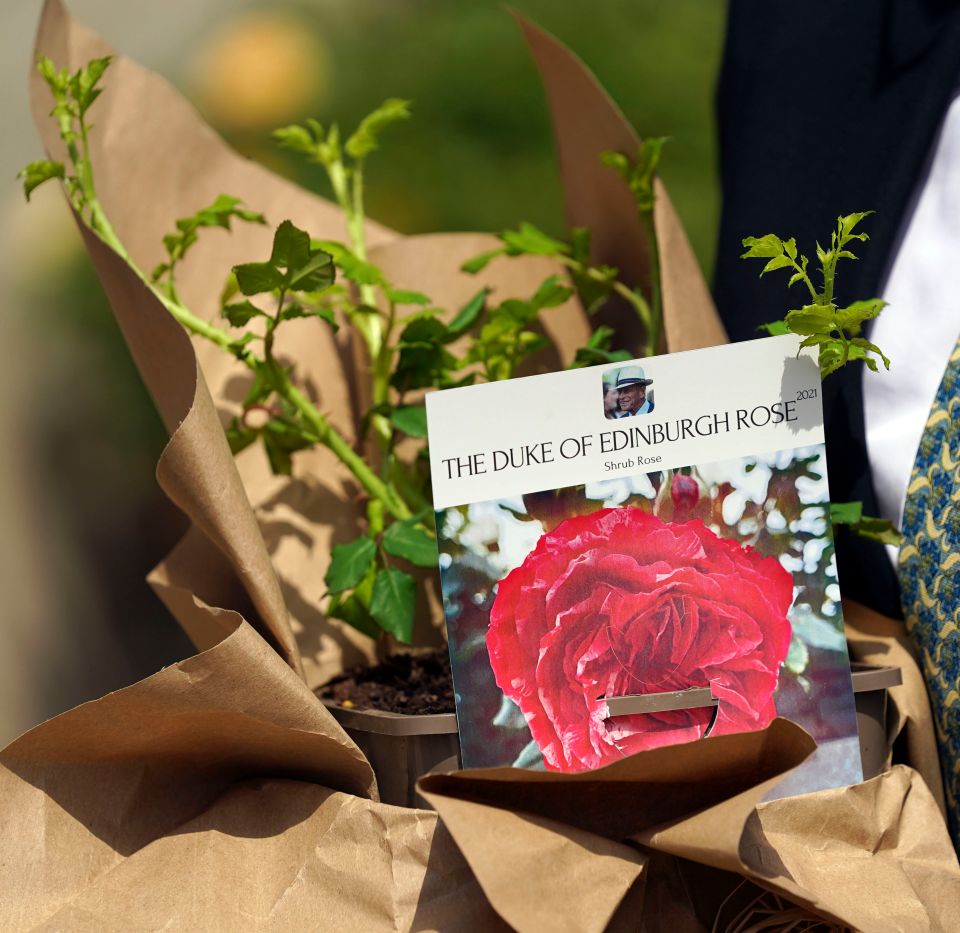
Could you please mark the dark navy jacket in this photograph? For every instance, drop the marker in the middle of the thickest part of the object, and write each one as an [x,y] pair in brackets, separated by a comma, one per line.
[826,108]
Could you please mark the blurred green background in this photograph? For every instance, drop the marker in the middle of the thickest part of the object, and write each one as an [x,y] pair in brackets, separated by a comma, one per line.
[84,519]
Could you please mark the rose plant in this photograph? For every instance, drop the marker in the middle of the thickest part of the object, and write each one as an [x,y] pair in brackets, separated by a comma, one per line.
[409,343]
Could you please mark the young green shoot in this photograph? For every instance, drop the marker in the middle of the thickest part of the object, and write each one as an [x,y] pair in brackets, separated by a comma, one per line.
[834,331]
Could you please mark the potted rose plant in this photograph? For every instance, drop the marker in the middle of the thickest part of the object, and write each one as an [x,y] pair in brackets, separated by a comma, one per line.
[403,344]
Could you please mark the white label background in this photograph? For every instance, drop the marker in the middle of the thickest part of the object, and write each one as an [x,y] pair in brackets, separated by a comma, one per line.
[555,406]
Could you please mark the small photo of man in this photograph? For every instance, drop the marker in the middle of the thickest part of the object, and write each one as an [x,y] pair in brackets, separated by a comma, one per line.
[625,392]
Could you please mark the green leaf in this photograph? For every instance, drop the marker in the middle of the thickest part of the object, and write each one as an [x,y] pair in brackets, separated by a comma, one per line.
[400,296]
[36,173]
[790,247]
[775,328]
[261,387]
[358,271]
[411,419]
[845,225]
[230,289]
[281,439]
[223,209]
[594,285]
[530,240]
[84,83]
[352,611]
[853,315]
[393,602]
[639,174]
[295,310]
[811,319]
[278,456]
[878,529]
[819,340]
[778,262]
[551,293]
[291,246]
[217,214]
[296,138]
[365,138]
[421,366]
[617,161]
[238,347]
[57,80]
[866,347]
[875,529]
[239,436]
[598,349]
[580,241]
[846,513]
[412,543]
[349,564]
[507,315]
[307,269]
[766,246]
[256,278]
[532,342]
[242,313]
[831,358]
[424,331]
[479,263]
[648,159]
[467,316]
[314,275]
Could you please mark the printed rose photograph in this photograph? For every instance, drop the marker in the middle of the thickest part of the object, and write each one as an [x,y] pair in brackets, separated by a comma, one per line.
[590,623]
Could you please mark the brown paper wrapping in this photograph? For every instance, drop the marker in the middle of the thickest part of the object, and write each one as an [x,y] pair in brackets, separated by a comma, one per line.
[219,794]
[875,639]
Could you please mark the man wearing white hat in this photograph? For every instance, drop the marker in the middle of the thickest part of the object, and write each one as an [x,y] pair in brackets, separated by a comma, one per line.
[632,398]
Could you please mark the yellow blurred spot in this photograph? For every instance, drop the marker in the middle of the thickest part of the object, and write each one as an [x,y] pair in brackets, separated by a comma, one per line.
[347,704]
[260,70]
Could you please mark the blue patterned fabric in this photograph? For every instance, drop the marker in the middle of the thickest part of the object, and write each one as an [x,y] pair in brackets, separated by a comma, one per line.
[930,573]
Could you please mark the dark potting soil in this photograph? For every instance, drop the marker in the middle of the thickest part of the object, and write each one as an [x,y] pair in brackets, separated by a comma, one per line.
[403,683]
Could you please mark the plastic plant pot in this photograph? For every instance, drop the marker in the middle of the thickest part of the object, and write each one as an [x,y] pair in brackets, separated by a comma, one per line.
[403,748]
[870,685]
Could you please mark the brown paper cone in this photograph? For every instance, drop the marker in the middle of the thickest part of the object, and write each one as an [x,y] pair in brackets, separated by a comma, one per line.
[586,123]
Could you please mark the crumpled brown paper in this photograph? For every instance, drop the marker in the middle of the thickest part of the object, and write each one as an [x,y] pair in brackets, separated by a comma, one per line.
[219,794]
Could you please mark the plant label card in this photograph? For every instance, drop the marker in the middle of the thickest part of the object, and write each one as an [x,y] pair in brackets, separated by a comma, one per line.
[641,554]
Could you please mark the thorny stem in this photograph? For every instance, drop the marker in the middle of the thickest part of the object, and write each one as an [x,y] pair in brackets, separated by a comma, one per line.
[654,323]
[806,280]
[829,271]
[348,191]
[327,435]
